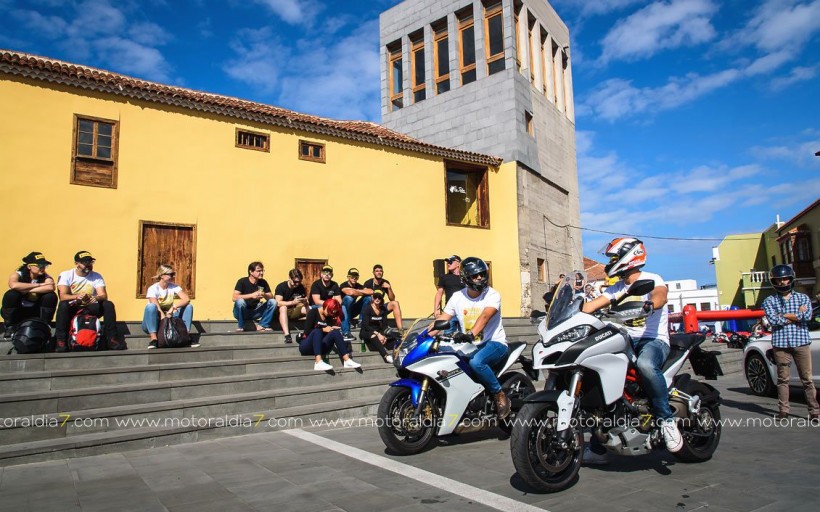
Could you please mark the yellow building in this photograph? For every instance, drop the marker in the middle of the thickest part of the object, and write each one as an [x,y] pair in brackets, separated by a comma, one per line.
[140,173]
[743,261]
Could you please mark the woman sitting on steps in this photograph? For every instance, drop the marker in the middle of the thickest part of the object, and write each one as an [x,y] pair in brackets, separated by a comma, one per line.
[323,332]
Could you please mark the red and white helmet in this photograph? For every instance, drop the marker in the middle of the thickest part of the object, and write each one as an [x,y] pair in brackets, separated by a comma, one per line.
[624,254]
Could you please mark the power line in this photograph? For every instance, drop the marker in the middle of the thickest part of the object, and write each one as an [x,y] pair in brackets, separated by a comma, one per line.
[648,236]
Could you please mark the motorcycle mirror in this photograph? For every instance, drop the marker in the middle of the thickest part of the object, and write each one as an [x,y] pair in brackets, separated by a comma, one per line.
[641,287]
[441,325]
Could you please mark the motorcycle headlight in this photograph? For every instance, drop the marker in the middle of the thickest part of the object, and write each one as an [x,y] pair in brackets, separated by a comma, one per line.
[574,334]
[401,355]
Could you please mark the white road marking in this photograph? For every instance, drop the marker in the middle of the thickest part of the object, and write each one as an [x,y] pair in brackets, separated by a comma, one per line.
[475,494]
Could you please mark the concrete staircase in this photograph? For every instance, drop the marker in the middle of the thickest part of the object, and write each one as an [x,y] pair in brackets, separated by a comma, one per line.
[55,406]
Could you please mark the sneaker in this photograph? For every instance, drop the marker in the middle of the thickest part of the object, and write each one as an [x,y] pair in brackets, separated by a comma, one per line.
[348,337]
[322,366]
[350,363]
[288,338]
[592,458]
[8,331]
[153,344]
[671,435]
[195,344]
[388,359]
[61,346]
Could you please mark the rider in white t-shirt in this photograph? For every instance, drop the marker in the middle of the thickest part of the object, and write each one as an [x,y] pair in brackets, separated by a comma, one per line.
[650,335]
[478,309]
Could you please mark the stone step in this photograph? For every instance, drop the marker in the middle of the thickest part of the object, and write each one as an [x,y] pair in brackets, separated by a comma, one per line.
[125,417]
[64,379]
[140,438]
[15,404]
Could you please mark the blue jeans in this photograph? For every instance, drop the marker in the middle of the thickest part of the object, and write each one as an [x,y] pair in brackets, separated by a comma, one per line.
[350,309]
[319,343]
[485,356]
[652,353]
[150,317]
[263,312]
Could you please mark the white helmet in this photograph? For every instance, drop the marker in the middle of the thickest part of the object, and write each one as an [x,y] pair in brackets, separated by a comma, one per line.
[624,254]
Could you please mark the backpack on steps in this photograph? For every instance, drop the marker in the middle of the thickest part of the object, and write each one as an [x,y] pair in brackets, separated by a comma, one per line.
[31,337]
[85,333]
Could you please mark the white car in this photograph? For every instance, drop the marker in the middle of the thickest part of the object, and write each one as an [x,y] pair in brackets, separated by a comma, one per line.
[761,373]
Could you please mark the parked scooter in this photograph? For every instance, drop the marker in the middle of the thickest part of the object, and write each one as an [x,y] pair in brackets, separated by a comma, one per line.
[438,393]
[592,383]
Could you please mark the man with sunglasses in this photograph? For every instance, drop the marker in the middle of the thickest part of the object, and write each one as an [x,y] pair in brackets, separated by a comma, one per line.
[82,288]
[478,309]
[291,297]
[325,288]
[30,293]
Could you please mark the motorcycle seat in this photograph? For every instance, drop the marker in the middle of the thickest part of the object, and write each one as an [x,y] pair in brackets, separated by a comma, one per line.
[510,349]
[686,341]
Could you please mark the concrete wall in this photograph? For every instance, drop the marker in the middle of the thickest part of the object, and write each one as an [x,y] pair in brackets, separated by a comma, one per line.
[488,116]
[181,166]
[738,254]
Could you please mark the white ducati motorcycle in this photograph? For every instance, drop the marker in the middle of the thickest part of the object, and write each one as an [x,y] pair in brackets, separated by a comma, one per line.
[591,383]
[439,394]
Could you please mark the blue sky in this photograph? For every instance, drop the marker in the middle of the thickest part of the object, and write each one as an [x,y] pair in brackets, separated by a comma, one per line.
[695,118]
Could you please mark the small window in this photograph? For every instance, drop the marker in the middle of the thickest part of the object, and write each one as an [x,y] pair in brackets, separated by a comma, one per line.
[705,306]
[396,78]
[252,140]
[312,151]
[467,197]
[94,154]
[466,31]
[441,53]
[494,38]
[417,52]
[542,272]
[528,122]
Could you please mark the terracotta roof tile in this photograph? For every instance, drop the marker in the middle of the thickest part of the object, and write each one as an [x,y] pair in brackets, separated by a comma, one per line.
[56,71]
[595,270]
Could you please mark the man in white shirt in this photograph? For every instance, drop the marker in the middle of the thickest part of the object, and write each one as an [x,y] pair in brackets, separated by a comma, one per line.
[650,335]
[82,288]
[478,309]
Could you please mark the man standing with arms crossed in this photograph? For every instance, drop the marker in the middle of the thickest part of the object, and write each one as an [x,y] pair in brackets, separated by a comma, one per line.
[789,313]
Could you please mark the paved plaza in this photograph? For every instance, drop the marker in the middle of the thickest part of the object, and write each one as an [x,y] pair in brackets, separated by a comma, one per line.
[758,467]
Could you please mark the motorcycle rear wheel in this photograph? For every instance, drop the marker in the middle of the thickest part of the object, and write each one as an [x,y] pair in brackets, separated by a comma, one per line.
[701,434]
[397,428]
[536,452]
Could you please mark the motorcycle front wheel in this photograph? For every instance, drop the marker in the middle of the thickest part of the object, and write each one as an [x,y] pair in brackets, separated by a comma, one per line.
[701,432]
[399,431]
[547,461]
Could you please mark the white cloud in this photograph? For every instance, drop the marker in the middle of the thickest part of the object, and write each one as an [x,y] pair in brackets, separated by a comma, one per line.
[98,33]
[779,24]
[797,74]
[660,26]
[342,80]
[294,12]
[798,151]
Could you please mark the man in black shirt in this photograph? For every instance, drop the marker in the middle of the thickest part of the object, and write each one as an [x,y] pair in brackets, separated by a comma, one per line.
[325,288]
[253,300]
[291,297]
[379,283]
[353,295]
[448,284]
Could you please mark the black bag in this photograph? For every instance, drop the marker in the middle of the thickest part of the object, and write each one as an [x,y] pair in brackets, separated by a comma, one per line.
[172,333]
[32,337]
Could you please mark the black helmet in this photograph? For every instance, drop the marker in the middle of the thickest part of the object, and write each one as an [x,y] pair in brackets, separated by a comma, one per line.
[471,268]
[782,272]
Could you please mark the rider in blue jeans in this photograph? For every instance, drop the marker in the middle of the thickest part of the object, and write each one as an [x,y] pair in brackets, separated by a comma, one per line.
[478,309]
[650,335]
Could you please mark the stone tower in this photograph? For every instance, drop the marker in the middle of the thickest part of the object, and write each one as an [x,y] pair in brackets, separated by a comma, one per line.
[494,77]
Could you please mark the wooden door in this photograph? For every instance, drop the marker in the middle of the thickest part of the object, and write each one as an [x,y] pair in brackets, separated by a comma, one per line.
[311,271]
[169,244]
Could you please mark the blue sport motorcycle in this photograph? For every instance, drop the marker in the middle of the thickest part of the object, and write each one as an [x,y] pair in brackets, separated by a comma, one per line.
[439,394]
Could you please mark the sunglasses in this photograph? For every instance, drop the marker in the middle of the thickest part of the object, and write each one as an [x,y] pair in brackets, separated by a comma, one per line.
[296,281]
[172,274]
[41,267]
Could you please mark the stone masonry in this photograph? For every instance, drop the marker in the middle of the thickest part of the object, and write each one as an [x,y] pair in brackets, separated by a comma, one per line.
[490,115]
